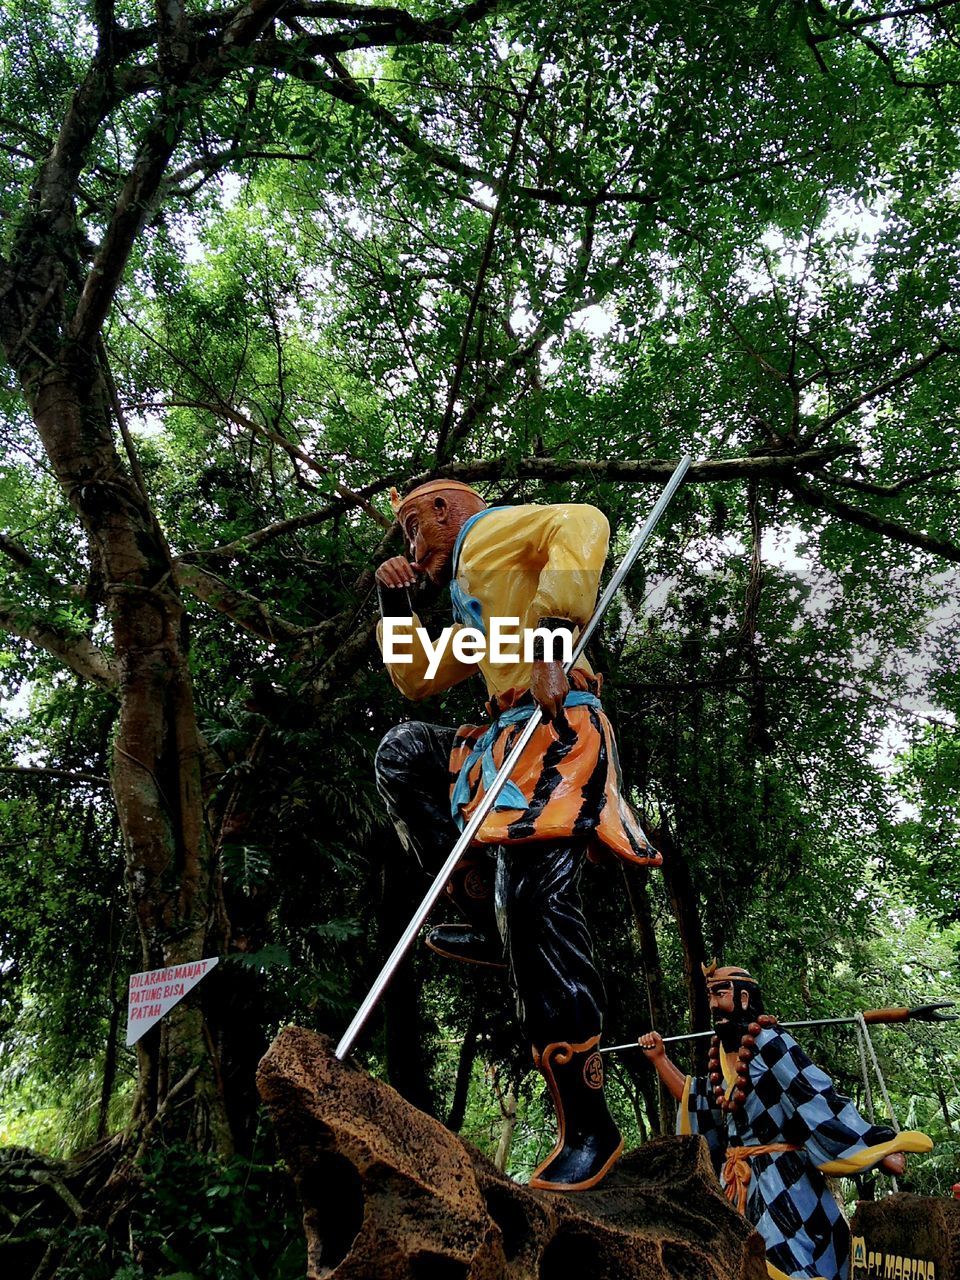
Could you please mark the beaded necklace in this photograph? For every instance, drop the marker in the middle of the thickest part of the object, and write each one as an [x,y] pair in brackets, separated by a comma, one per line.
[744,1054]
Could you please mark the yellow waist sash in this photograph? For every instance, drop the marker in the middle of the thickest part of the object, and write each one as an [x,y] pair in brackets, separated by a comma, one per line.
[736,1169]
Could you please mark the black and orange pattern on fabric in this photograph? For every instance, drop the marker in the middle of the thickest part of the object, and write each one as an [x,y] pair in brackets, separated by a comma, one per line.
[569,776]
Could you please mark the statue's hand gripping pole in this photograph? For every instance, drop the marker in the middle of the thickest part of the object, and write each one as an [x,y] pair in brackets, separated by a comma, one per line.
[506,769]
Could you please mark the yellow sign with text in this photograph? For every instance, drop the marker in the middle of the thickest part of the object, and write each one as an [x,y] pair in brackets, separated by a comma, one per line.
[871,1264]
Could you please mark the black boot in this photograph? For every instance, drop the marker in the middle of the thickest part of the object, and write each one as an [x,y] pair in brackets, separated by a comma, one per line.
[588,1141]
[478,941]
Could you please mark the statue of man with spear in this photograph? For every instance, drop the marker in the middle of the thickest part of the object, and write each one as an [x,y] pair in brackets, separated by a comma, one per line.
[518,886]
[775,1126]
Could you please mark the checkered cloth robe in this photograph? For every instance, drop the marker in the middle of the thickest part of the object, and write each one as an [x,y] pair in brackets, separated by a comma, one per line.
[790,1101]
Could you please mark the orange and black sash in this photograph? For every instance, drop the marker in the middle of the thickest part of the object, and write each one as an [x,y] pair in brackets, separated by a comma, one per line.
[566,784]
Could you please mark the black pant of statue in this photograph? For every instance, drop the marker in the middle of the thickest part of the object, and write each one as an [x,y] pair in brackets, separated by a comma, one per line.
[542,931]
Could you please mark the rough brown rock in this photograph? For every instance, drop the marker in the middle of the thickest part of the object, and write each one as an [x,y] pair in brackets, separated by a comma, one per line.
[913,1237]
[390,1194]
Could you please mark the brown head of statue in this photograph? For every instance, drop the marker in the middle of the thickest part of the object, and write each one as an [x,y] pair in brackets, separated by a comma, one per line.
[735,1001]
[431,516]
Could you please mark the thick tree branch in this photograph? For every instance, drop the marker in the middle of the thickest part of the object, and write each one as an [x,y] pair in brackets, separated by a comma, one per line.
[19,152]
[208,43]
[893,529]
[891,490]
[129,215]
[648,470]
[173,36]
[16,552]
[30,294]
[400,19]
[136,199]
[25,559]
[888,15]
[878,389]
[637,471]
[74,651]
[395,21]
[104,15]
[57,181]
[245,609]
[59,775]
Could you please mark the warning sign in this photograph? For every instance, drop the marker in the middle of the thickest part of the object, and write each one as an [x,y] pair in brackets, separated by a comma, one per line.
[154,993]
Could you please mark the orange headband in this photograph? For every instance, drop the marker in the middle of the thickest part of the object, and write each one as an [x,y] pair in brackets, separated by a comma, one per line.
[421,491]
[729,973]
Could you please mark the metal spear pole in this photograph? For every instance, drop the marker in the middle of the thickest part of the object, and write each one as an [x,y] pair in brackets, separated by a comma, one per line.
[506,769]
[699,1035]
[922,1013]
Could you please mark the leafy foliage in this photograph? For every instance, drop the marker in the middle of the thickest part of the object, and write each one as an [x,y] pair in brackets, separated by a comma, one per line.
[197,1219]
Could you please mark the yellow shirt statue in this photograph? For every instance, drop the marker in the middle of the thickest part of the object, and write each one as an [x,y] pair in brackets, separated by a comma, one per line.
[518,886]
[529,563]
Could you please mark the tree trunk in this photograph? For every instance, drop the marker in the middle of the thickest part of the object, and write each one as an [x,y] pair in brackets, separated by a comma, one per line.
[685,906]
[173,886]
[408,1067]
[937,1080]
[109,1063]
[636,878]
[629,1079]
[508,1110]
[461,1088]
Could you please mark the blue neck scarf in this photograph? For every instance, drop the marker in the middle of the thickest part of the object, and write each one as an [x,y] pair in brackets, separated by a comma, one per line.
[466,609]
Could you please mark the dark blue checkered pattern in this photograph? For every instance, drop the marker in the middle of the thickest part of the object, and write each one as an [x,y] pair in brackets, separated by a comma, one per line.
[790,1100]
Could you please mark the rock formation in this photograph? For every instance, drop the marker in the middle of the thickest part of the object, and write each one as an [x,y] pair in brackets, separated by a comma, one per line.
[911,1237]
[389,1194]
